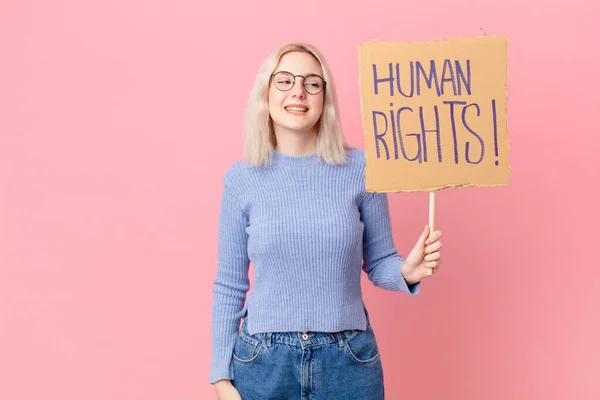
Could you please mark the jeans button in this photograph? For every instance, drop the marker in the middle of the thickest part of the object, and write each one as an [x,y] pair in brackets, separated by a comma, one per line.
[305,336]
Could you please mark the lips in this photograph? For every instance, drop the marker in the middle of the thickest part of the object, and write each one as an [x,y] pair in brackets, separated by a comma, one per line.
[296,108]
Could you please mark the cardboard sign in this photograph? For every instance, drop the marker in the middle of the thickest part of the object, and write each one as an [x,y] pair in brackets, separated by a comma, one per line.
[434,114]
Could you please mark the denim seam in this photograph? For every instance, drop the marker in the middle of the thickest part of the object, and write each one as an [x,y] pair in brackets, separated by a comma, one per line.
[358,360]
[255,353]
[248,339]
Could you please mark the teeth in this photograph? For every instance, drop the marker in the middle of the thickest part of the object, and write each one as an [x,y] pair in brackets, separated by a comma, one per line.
[296,109]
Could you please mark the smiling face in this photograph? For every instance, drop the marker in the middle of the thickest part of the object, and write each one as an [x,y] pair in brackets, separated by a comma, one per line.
[295,110]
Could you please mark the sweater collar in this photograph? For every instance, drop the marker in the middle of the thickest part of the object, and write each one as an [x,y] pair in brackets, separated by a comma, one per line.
[284,159]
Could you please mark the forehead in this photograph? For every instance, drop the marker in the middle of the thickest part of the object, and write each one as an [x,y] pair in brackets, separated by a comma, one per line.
[299,63]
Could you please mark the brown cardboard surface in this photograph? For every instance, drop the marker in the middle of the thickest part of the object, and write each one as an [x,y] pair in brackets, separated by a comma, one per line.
[402,86]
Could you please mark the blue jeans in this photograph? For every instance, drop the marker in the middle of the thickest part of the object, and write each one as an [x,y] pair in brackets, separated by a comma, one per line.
[308,365]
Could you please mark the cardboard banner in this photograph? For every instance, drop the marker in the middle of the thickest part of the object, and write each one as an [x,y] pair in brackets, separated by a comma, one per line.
[434,113]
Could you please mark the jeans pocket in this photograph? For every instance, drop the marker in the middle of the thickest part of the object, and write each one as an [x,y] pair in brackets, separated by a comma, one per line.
[247,347]
[362,346]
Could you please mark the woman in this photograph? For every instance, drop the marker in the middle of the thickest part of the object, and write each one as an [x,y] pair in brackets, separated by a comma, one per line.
[297,207]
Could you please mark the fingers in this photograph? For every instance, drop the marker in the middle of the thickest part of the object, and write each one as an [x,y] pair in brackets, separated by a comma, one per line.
[435,264]
[433,256]
[434,236]
[432,248]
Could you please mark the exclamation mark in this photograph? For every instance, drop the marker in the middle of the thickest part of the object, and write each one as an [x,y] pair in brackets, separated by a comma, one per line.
[495,131]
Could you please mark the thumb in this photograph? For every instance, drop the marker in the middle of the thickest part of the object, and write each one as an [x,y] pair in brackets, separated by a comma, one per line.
[416,255]
[421,242]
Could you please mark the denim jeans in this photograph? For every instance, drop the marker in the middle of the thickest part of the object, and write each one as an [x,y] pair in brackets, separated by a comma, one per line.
[343,365]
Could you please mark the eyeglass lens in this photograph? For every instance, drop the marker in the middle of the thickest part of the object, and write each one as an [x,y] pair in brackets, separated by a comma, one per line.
[284,81]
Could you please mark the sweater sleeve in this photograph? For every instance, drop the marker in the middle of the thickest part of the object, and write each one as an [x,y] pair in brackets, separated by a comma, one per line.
[381,260]
[230,285]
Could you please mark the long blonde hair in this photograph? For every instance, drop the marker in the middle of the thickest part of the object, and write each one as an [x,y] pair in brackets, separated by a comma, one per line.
[259,136]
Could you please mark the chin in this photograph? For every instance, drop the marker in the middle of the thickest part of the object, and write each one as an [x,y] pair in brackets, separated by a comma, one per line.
[298,127]
[302,129]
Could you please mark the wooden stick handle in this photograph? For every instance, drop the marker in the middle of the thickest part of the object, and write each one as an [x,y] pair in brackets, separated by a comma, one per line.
[431,220]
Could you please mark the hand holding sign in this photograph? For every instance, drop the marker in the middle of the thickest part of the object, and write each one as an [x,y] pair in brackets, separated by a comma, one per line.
[425,258]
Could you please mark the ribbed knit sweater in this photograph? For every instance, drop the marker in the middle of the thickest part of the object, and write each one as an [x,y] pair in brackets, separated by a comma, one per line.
[307,227]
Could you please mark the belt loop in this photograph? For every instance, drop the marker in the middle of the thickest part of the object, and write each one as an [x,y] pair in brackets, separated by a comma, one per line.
[269,335]
[341,339]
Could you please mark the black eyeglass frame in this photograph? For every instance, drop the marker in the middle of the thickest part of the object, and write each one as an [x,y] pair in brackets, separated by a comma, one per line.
[303,79]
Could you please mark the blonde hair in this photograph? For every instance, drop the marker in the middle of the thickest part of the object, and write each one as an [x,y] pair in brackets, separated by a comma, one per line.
[259,136]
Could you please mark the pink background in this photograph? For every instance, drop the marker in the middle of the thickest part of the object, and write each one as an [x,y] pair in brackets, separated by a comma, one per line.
[119,118]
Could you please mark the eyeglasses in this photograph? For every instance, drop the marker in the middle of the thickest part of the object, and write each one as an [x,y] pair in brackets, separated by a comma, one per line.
[284,81]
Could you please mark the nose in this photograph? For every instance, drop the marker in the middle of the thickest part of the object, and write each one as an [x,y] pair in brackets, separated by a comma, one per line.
[298,88]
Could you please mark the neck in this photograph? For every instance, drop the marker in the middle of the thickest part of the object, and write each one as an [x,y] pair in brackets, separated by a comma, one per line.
[296,144]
